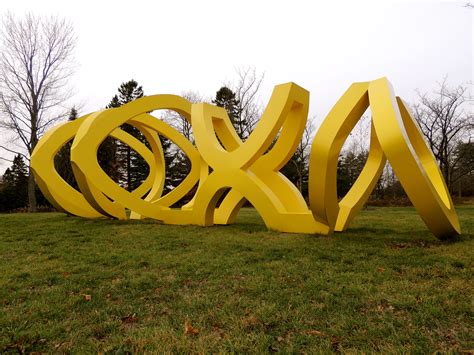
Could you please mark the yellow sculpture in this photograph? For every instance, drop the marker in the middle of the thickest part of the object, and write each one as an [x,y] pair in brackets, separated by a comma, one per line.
[412,160]
[249,170]
[102,190]
[245,168]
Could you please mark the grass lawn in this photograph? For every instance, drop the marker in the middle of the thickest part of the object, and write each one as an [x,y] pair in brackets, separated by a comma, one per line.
[386,285]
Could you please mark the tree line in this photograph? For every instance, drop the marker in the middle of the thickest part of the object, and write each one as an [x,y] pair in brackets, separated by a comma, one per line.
[445,126]
[35,68]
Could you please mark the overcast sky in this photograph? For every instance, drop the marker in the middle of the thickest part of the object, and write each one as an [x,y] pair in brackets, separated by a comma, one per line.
[323,46]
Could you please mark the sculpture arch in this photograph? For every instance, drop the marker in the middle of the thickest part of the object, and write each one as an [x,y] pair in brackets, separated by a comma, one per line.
[249,169]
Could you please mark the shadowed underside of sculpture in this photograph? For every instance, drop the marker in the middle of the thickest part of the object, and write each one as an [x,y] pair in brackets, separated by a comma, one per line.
[226,169]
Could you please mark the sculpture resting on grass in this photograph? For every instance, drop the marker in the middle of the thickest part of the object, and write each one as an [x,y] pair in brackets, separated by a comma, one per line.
[248,170]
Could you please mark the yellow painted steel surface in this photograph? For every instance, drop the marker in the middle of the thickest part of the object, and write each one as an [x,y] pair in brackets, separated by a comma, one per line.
[230,171]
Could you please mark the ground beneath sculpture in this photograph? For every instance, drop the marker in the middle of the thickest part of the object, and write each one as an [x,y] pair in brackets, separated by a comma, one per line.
[387,284]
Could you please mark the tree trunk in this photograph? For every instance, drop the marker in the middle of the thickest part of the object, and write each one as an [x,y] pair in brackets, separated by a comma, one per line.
[445,171]
[32,207]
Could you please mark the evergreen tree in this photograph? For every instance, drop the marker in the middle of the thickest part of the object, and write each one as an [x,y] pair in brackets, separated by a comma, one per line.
[14,187]
[114,102]
[7,197]
[225,98]
[19,171]
[132,168]
[8,178]
[348,170]
[296,170]
[178,167]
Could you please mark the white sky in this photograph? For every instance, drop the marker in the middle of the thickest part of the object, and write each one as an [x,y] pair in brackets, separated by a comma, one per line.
[323,46]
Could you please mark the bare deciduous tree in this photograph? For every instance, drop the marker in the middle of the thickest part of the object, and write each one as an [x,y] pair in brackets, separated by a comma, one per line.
[303,150]
[179,122]
[445,123]
[359,139]
[246,92]
[35,65]
[296,170]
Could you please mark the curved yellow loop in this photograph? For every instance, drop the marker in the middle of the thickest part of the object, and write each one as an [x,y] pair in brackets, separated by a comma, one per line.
[244,168]
[84,161]
[58,192]
[325,151]
[141,149]
[360,191]
[412,160]
[157,168]
[63,196]
[187,147]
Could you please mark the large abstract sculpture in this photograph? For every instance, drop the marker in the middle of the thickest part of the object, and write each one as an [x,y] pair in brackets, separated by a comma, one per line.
[228,170]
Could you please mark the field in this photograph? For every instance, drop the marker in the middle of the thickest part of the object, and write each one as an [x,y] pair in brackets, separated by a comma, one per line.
[385,285]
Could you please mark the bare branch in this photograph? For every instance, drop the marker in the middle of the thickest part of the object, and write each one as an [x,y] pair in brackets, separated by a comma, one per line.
[14,152]
[246,92]
[8,160]
[446,123]
[35,65]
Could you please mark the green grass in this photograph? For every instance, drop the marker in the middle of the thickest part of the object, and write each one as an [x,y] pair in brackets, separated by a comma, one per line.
[385,285]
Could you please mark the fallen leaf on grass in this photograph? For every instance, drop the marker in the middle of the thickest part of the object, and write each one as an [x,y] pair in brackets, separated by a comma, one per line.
[249,321]
[165,311]
[273,349]
[399,245]
[218,330]
[189,329]
[384,306]
[131,318]
[58,345]
[66,274]
[316,332]
[336,343]
[86,297]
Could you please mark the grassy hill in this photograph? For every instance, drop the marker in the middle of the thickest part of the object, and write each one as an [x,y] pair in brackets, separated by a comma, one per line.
[385,285]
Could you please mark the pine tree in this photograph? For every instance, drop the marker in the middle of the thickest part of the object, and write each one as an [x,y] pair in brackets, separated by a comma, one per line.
[7,197]
[14,189]
[178,167]
[7,178]
[225,98]
[133,169]
[114,102]
[19,171]
[349,168]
